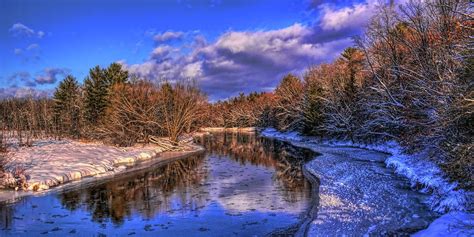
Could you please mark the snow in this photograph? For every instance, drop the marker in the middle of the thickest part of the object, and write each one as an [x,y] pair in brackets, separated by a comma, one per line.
[451,224]
[289,136]
[445,196]
[357,194]
[50,163]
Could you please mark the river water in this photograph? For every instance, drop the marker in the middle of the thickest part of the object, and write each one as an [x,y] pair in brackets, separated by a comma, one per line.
[242,185]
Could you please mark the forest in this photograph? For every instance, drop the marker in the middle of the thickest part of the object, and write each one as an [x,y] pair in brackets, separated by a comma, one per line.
[408,79]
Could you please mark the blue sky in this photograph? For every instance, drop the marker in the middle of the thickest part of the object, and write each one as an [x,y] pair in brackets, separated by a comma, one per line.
[226,46]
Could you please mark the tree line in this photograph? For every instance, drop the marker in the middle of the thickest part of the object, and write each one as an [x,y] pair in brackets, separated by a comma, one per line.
[408,79]
[110,106]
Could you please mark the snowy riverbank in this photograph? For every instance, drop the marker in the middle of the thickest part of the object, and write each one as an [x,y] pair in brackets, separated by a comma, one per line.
[437,192]
[49,163]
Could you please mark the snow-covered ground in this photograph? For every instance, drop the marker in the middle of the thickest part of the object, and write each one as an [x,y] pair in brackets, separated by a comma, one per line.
[450,224]
[442,195]
[50,163]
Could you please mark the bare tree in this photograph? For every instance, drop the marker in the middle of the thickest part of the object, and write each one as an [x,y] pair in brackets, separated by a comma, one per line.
[131,115]
[289,97]
[241,111]
[179,108]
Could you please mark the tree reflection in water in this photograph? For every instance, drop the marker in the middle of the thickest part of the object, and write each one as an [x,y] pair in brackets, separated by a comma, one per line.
[245,148]
[6,216]
[148,192]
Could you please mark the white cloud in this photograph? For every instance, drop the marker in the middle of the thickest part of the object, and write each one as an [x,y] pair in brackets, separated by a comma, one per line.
[161,52]
[357,15]
[168,36]
[40,34]
[22,92]
[192,70]
[30,53]
[19,29]
[241,60]
[277,48]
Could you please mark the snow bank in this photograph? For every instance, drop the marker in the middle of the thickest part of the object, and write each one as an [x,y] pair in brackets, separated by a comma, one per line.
[50,163]
[420,172]
[451,224]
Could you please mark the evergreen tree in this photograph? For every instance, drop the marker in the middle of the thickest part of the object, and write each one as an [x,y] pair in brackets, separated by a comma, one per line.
[96,91]
[353,61]
[98,85]
[66,109]
[115,74]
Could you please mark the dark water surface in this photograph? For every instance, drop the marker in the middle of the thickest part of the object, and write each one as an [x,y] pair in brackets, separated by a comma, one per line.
[242,186]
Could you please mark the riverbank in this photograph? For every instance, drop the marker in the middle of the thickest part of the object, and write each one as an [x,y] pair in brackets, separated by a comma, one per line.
[50,163]
[358,193]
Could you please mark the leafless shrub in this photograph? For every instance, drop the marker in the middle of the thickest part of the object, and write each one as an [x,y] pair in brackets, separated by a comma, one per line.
[132,114]
[179,108]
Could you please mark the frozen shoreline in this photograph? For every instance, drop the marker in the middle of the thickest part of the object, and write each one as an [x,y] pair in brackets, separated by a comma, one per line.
[50,163]
[440,194]
[444,196]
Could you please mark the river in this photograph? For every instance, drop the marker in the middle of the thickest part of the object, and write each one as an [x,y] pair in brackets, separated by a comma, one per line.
[243,185]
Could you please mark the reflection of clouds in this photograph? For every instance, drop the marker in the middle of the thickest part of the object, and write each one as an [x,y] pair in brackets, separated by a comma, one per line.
[269,178]
[270,203]
[250,188]
[284,160]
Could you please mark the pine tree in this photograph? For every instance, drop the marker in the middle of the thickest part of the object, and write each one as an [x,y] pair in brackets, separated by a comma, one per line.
[66,109]
[115,74]
[98,86]
[96,91]
[353,60]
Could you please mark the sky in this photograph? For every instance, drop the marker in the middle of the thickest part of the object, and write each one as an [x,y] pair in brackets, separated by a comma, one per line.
[227,47]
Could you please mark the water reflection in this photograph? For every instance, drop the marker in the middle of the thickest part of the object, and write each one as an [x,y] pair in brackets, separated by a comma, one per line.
[149,192]
[245,148]
[242,185]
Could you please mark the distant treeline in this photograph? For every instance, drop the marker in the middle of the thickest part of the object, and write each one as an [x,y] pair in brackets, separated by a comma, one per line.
[408,79]
[109,106]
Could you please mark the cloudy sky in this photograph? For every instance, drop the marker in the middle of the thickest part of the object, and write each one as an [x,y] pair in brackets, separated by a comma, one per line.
[226,46]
